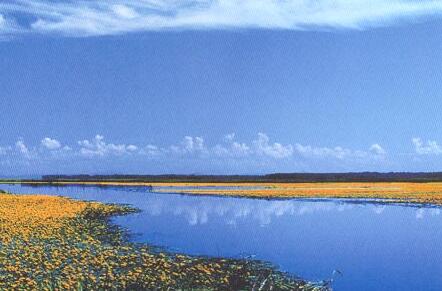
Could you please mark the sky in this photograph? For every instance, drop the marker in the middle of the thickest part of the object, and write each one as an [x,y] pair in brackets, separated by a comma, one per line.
[219,86]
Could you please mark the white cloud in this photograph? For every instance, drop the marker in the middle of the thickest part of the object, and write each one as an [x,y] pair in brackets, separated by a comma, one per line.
[262,146]
[98,147]
[124,11]
[22,148]
[324,152]
[234,149]
[430,148]
[229,137]
[96,17]
[50,144]
[190,145]
[2,21]
[259,148]
[151,150]
[231,148]
[131,148]
[377,149]
[8,27]
[261,152]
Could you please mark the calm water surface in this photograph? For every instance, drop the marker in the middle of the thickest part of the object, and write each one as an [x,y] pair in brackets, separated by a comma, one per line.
[375,246]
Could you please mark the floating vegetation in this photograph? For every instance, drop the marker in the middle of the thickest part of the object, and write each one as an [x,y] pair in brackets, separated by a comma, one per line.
[55,243]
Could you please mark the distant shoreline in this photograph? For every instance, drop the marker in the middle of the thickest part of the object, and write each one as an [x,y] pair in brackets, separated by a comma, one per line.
[267,178]
[388,192]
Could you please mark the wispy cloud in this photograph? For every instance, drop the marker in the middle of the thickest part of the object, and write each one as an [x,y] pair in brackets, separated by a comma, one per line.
[431,147]
[22,148]
[2,22]
[95,17]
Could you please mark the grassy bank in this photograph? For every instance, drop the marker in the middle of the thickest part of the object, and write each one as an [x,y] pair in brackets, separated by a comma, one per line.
[55,243]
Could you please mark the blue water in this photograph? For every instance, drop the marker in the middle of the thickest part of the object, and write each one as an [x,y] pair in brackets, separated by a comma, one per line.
[375,246]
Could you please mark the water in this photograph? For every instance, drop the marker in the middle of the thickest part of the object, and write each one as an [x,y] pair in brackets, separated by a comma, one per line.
[375,246]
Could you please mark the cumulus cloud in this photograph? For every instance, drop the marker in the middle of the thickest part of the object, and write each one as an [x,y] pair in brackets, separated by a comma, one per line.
[234,149]
[275,150]
[429,148]
[340,153]
[229,137]
[324,152]
[50,144]
[190,145]
[377,149]
[95,17]
[259,152]
[22,148]
[131,148]
[98,147]
[260,147]
[151,150]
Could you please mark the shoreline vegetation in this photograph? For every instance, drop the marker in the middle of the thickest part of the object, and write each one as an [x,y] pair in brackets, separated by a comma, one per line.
[268,178]
[397,187]
[388,192]
[56,243]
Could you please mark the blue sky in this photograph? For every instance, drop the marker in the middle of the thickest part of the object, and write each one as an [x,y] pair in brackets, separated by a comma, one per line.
[219,87]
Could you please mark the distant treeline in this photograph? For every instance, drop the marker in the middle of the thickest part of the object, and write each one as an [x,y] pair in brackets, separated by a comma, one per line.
[275,178]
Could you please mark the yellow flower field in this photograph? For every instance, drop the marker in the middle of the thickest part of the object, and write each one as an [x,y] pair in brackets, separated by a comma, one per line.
[55,243]
[412,192]
[429,193]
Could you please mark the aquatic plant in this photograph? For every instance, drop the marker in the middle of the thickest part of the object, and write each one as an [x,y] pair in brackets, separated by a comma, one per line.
[55,243]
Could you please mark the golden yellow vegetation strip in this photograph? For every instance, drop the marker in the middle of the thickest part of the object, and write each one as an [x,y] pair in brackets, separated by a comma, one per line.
[55,243]
[430,193]
[400,191]
[403,192]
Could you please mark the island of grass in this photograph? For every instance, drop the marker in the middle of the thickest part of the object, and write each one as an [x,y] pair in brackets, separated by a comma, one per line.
[56,243]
